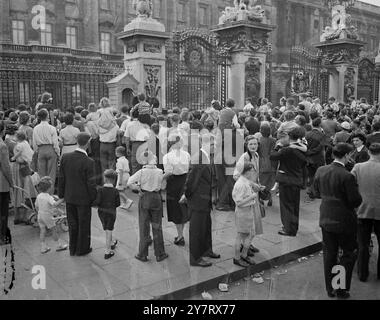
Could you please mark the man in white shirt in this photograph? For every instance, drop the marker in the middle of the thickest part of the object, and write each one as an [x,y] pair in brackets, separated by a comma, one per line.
[136,135]
[108,130]
[150,181]
[45,143]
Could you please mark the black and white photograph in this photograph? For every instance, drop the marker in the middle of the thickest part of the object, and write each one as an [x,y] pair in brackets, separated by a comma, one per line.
[199,153]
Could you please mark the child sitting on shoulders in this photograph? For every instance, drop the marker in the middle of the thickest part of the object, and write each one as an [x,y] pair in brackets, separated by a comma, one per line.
[122,169]
[23,153]
[107,201]
[45,204]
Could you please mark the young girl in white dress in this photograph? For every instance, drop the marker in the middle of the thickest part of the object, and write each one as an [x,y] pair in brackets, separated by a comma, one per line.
[122,169]
[247,220]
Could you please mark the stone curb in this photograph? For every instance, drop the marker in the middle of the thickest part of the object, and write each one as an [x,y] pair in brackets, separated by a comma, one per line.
[211,284]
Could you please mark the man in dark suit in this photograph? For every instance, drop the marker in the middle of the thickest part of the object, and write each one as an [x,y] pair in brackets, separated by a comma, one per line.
[198,193]
[340,196]
[316,142]
[77,185]
[290,178]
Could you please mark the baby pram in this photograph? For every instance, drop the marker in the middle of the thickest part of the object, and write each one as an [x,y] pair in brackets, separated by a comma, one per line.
[59,212]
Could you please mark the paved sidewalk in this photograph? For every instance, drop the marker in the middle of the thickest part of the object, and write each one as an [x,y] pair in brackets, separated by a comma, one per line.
[123,277]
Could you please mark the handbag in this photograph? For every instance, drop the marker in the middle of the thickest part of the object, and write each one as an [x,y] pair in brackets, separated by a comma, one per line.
[265,195]
[25,170]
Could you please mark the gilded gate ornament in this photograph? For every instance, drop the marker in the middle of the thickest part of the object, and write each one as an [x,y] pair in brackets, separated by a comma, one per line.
[243,10]
[342,26]
[194,58]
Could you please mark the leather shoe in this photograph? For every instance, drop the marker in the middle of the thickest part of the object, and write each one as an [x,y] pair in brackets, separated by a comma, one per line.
[142,259]
[343,294]
[331,294]
[213,255]
[201,263]
[286,234]
[250,252]
[241,263]
[114,245]
[249,261]
[179,242]
[108,256]
[162,257]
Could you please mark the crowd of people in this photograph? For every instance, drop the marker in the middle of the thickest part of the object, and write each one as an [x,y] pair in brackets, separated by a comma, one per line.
[232,158]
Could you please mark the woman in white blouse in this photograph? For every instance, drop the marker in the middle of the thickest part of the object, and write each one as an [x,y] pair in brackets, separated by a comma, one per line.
[68,136]
[252,157]
[176,166]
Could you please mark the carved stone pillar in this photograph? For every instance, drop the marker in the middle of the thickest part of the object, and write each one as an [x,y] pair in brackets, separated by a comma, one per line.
[341,59]
[246,44]
[144,59]
[340,51]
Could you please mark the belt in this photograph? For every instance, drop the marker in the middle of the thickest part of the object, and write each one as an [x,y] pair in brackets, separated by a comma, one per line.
[144,191]
[108,142]
[70,145]
[44,145]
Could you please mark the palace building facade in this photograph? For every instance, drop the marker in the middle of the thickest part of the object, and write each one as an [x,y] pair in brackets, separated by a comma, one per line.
[75,50]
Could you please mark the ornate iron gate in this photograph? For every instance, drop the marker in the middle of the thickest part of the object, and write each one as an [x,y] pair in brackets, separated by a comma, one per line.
[307,73]
[367,80]
[268,74]
[195,74]
[67,89]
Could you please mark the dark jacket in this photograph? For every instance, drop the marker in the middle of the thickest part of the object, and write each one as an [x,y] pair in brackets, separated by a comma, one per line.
[198,187]
[77,179]
[360,157]
[316,141]
[292,164]
[340,195]
[107,200]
